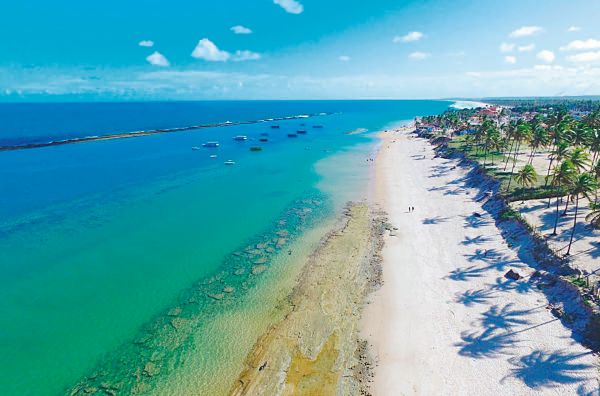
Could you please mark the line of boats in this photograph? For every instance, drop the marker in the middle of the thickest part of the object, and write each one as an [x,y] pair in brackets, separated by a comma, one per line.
[264,137]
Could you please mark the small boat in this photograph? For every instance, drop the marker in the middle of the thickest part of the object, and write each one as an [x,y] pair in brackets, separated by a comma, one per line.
[301,132]
[211,144]
[318,126]
[240,138]
[263,139]
[255,148]
[213,156]
[229,162]
[292,135]
[195,148]
[275,127]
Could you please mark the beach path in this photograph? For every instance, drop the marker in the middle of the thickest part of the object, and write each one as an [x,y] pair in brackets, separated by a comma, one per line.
[447,321]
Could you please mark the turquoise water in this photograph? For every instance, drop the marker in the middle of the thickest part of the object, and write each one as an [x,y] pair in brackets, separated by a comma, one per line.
[105,244]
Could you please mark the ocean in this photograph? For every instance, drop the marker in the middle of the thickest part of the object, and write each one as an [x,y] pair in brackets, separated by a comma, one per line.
[143,266]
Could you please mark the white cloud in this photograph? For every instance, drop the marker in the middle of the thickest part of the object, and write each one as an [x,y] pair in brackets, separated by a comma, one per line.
[146,43]
[241,56]
[239,29]
[525,31]
[585,57]
[165,83]
[579,45]
[291,6]
[158,59]
[409,37]
[573,29]
[344,58]
[507,47]
[546,56]
[526,48]
[419,55]
[510,59]
[207,50]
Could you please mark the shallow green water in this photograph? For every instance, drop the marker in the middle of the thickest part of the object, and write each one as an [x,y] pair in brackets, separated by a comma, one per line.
[116,254]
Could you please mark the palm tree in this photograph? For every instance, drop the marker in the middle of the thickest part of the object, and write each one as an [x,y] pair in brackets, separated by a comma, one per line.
[596,173]
[562,176]
[539,138]
[582,135]
[594,216]
[526,177]
[580,159]
[560,152]
[490,138]
[583,185]
[509,132]
[521,134]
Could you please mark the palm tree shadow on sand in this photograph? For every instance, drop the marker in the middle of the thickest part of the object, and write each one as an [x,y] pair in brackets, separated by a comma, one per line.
[435,220]
[465,274]
[542,369]
[478,240]
[476,222]
[504,318]
[488,344]
[471,297]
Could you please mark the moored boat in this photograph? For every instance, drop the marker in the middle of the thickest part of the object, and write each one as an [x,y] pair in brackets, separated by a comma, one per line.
[263,139]
[229,162]
[292,135]
[240,138]
[275,126]
[211,144]
[301,132]
[318,126]
[255,148]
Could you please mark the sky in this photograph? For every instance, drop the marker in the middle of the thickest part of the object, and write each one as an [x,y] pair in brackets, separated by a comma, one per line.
[297,49]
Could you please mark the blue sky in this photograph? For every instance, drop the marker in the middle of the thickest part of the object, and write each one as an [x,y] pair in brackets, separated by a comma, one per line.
[297,49]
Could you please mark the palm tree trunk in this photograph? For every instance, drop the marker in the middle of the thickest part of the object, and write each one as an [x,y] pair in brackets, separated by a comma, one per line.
[564,213]
[574,225]
[512,144]
[485,152]
[557,216]
[550,201]
[548,172]
[513,167]
[531,156]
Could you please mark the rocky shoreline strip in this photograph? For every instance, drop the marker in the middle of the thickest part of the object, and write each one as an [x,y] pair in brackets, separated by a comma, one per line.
[126,135]
[316,348]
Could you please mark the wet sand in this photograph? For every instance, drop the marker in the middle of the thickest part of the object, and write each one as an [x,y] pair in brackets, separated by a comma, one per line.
[316,349]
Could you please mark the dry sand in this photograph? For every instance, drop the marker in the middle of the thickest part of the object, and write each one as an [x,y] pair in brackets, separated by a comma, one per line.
[447,321]
[585,252]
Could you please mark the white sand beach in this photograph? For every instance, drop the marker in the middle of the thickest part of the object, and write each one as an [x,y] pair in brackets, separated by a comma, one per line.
[447,321]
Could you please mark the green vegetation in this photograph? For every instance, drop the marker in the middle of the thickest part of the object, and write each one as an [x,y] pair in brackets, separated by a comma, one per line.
[594,216]
[577,281]
[509,143]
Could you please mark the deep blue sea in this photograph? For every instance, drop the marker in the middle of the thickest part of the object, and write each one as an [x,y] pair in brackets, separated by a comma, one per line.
[115,253]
